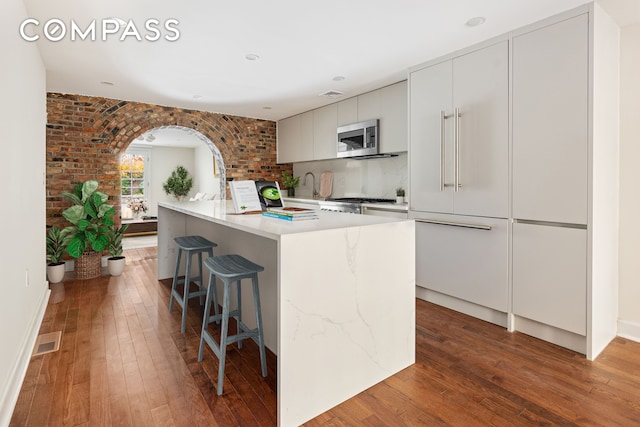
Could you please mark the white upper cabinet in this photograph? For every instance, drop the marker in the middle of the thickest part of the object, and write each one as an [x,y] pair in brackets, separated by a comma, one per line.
[550,123]
[393,118]
[295,138]
[348,111]
[459,135]
[288,139]
[325,123]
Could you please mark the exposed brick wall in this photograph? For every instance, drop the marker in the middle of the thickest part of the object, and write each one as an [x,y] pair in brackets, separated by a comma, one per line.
[86,135]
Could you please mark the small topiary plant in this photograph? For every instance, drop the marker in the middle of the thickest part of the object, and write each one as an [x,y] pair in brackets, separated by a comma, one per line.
[179,183]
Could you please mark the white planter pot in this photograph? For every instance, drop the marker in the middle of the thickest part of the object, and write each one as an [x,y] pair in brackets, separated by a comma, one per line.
[55,272]
[399,200]
[116,265]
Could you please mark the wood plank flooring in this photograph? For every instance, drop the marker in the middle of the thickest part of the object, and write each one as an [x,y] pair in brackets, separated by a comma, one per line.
[124,362]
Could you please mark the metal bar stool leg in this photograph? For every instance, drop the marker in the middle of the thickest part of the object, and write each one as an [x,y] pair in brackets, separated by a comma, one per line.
[174,285]
[201,281]
[205,318]
[223,335]
[256,302]
[185,299]
[239,307]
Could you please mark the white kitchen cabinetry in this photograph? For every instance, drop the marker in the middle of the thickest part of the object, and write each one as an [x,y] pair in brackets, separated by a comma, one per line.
[313,135]
[559,236]
[295,138]
[550,275]
[348,111]
[393,118]
[550,122]
[386,211]
[459,134]
[325,123]
[565,180]
[466,258]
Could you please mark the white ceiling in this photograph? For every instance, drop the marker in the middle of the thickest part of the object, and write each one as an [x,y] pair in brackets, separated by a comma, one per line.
[302,46]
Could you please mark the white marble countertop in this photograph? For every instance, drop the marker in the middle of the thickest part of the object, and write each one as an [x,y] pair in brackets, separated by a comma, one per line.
[404,207]
[222,212]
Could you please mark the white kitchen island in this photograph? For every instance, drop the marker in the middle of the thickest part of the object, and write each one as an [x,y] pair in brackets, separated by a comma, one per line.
[337,295]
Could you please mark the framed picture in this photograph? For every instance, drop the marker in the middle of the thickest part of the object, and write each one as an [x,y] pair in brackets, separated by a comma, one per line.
[216,171]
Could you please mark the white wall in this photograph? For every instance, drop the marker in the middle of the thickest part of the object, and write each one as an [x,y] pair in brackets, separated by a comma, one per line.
[204,181]
[630,180]
[22,135]
[352,178]
[164,160]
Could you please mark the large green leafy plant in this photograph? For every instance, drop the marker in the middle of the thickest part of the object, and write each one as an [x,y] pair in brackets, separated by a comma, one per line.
[179,183]
[92,219]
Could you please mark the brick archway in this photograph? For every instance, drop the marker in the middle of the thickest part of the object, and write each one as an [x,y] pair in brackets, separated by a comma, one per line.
[86,135]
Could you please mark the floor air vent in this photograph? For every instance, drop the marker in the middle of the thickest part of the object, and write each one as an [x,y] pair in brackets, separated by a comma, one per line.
[47,343]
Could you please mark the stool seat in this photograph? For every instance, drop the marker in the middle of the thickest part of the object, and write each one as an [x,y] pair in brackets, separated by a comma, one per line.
[190,245]
[193,243]
[231,268]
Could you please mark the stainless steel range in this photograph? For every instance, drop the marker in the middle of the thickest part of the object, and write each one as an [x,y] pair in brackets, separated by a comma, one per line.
[349,204]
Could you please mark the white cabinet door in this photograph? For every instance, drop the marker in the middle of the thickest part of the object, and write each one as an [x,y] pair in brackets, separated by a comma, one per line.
[295,138]
[477,86]
[348,111]
[430,97]
[288,139]
[325,124]
[550,122]
[481,93]
[550,275]
[393,118]
[369,106]
[306,137]
[467,263]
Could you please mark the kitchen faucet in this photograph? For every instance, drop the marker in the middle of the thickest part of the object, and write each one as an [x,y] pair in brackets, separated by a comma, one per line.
[304,182]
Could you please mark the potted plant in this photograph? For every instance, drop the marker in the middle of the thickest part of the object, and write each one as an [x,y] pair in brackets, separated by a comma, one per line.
[116,261]
[91,217]
[290,183]
[56,243]
[179,183]
[399,195]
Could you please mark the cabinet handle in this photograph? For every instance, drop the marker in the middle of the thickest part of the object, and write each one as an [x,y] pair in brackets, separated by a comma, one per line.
[456,148]
[443,117]
[455,224]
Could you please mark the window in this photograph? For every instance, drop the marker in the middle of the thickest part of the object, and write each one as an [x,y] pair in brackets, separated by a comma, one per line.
[132,176]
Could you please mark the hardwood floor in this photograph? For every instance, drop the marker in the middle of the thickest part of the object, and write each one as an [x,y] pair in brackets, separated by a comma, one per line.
[123,361]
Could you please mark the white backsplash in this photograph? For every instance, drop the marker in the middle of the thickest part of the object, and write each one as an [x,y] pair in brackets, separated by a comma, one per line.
[353,178]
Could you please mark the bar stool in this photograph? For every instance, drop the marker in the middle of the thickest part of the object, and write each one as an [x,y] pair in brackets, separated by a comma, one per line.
[231,268]
[191,245]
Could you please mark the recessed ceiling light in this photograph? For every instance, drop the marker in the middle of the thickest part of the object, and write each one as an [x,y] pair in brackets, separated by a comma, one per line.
[251,57]
[474,22]
[106,83]
[338,78]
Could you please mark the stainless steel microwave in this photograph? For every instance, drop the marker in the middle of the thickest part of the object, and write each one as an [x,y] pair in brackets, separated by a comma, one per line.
[358,139]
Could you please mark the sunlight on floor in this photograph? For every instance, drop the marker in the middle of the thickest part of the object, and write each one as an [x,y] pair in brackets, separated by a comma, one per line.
[135,242]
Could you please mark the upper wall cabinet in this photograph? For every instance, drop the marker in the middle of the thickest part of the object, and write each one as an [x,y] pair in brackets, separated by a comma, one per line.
[459,134]
[295,138]
[300,143]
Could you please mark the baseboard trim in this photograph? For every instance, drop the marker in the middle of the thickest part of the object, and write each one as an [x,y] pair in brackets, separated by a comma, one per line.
[474,310]
[629,330]
[12,390]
